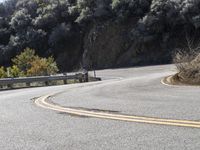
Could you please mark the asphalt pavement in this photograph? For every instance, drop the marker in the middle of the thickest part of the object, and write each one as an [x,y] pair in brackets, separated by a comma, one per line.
[130,91]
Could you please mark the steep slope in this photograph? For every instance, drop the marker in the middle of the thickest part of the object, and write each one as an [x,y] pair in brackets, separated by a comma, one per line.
[98,33]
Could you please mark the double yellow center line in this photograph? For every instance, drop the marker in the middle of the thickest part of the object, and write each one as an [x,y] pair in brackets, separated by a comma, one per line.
[42,102]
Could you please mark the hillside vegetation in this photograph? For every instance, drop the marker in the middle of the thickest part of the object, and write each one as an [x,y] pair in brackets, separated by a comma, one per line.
[188,64]
[97,33]
[28,64]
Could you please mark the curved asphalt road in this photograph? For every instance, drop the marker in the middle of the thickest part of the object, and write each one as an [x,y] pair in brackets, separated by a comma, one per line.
[132,91]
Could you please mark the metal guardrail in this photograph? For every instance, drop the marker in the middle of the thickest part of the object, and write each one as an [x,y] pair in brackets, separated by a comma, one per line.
[82,77]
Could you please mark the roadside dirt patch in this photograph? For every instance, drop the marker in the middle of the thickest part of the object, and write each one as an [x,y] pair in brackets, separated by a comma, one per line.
[175,80]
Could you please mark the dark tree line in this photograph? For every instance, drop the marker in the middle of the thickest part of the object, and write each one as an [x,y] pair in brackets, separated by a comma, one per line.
[59,27]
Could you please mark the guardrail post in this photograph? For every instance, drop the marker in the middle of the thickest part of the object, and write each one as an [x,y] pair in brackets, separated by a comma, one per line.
[47,83]
[65,81]
[28,84]
[81,78]
[86,77]
[9,86]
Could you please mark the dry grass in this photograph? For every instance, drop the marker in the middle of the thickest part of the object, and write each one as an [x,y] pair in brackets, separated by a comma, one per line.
[188,66]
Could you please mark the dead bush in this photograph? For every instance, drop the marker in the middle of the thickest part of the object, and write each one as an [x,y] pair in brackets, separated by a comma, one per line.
[187,62]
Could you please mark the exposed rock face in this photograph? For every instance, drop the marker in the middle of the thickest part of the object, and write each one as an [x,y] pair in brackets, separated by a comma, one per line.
[104,44]
[110,45]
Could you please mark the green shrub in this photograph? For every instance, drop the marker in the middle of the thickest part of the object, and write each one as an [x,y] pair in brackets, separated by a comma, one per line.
[23,60]
[42,66]
[30,64]
[14,72]
[3,73]
[115,3]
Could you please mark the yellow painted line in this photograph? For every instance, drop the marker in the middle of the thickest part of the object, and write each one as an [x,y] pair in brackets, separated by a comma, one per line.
[167,84]
[182,123]
[116,115]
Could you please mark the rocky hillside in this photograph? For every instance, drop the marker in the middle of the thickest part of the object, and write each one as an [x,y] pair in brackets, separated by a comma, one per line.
[98,33]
